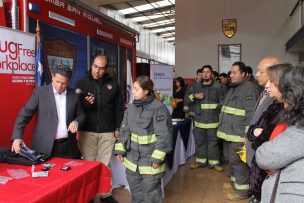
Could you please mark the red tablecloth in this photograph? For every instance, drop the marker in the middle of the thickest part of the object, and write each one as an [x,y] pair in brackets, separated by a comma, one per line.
[80,184]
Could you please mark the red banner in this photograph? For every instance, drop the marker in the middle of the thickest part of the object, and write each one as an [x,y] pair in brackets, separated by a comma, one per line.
[17,79]
[2,14]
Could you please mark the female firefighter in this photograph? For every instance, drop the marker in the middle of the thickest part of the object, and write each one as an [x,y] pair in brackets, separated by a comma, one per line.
[145,140]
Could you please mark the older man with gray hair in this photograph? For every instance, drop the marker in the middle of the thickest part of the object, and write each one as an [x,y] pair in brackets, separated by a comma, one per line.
[264,100]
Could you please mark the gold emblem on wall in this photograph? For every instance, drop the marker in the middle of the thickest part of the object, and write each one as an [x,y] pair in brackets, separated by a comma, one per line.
[229,27]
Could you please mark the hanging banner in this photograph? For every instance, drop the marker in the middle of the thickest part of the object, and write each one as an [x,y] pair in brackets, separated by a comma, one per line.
[17,77]
[162,77]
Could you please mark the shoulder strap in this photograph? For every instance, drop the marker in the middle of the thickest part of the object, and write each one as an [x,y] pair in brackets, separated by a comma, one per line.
[275,188]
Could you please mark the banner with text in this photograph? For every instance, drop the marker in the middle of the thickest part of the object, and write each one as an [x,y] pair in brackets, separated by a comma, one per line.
[162,77]
[17,77]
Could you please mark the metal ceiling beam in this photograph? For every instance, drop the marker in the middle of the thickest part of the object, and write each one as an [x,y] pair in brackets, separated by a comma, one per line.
[164,32]
[150,11]
[160,26]
[172,17]
[149,1]
[122,27]
[168,36]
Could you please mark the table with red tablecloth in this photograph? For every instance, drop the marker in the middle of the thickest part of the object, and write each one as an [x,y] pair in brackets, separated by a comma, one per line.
[80,184]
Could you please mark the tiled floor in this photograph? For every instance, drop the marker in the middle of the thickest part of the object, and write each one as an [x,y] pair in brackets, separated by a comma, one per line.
[190,186]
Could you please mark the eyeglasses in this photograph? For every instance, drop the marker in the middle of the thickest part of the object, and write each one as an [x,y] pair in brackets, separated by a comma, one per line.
[99,67]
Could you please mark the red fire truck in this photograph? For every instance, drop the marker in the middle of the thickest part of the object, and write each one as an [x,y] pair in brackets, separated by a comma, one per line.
[69,34]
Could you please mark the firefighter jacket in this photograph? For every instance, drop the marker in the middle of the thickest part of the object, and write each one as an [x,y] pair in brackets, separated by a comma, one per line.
[188,106]
[145,136]
[207,110]
[236,111]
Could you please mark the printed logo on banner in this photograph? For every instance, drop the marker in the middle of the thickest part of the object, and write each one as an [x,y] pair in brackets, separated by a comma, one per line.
[17,56]
[58,52]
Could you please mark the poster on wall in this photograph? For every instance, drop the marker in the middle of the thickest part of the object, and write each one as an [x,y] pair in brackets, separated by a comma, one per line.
[60,46]
[162,77]
[17,78]
[59,52]
[108,49]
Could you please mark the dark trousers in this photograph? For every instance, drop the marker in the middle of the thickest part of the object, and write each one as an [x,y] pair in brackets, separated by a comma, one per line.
[145,188]
[238,169]
[207,144]
[64,150]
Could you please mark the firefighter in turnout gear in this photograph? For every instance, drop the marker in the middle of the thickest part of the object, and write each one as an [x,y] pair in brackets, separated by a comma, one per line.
[207,97]
[188,106]
[233,124]
[145,140]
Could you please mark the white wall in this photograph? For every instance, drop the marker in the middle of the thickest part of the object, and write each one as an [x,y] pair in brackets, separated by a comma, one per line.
[261,30]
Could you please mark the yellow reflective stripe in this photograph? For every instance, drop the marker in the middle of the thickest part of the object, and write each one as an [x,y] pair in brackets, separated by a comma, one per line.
[191,97]
[241,187]
[213,162]
[209,106]
[119,147]
[200,160]
[143,139]
[205,125]
[232,178]
[157,154]
[130,165]
[233,111]
[186,108]
[246,129]
[230,138]
[149,170]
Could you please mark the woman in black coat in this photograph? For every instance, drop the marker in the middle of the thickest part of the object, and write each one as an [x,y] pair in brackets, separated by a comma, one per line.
[178,95]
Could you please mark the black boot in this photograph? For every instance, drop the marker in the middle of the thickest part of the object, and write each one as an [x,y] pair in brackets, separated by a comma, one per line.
[108,199]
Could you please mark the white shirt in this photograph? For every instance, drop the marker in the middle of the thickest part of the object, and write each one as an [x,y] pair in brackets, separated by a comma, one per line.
[62,131]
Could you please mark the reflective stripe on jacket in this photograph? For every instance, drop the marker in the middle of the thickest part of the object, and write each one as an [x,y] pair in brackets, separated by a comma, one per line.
[148,130]
[207,110]
[236,111]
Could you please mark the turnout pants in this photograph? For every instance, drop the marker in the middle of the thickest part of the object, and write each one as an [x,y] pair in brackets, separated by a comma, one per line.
[206,145]
[238,169]
[144,188]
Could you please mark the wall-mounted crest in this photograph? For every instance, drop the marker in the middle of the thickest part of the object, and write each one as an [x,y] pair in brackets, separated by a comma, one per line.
[229,27]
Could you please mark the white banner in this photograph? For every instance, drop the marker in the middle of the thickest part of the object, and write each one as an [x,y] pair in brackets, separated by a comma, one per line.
[17,52]
[162,77]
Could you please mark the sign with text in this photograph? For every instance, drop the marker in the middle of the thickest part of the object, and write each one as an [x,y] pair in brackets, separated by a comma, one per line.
[17,79]
[17,56]
[162,77]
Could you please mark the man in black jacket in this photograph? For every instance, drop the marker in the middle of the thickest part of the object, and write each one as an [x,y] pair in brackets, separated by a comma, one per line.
[103,105]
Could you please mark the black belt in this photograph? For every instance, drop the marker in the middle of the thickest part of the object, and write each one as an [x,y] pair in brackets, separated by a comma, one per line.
[61,140]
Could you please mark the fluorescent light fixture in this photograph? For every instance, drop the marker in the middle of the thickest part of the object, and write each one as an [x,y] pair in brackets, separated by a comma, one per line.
[136,9]
[158,23]
[61,18]
[169,39]
[156,15]
[167,34]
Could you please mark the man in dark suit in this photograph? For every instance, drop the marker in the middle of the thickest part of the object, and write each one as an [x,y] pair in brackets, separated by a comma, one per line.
[59,115]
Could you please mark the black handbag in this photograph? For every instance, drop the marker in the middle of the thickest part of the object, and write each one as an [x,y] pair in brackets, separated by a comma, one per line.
[26,157]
